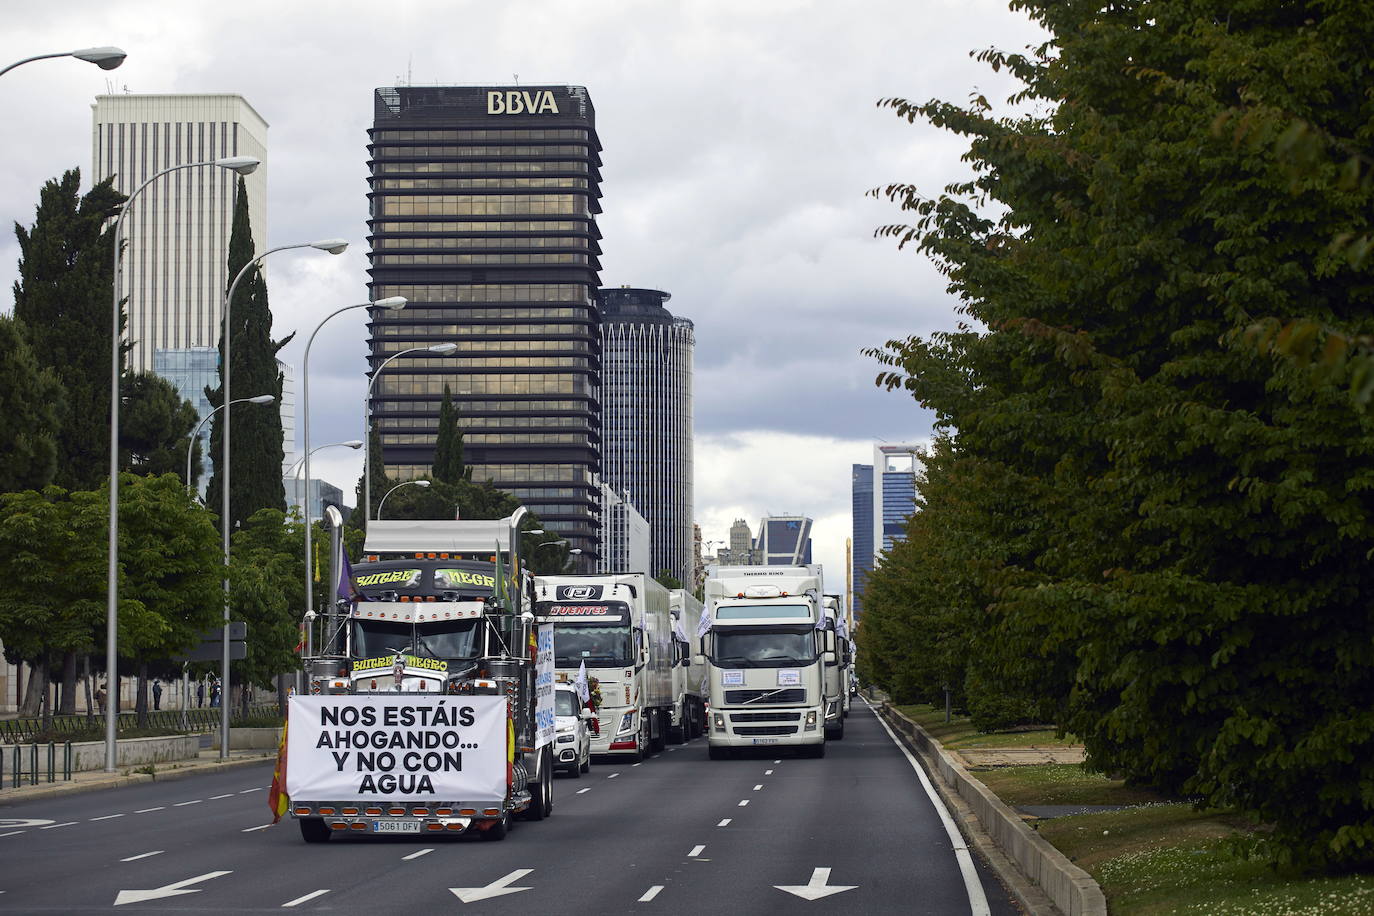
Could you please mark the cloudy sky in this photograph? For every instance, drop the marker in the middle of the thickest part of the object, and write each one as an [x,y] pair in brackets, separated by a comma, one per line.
[739,138]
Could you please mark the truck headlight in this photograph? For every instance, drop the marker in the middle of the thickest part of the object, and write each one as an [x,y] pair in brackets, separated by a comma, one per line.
[811,720]
[627,723]
[719,720]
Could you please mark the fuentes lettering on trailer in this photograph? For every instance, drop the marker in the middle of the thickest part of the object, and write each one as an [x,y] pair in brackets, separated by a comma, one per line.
[404,749]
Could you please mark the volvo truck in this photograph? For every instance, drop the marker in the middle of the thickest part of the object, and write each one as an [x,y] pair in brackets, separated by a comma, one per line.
[429,705]
[765,646]
[689,682]
[618,627]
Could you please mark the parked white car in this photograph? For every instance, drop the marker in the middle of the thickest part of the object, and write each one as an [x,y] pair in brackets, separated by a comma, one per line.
[573,744]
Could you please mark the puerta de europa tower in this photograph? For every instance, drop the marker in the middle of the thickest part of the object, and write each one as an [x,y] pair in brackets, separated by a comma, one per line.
[483,208]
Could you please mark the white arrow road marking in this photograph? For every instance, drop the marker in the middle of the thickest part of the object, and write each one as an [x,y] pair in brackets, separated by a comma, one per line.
[167,890]
[496,888]
[155,852]
[12,833]
[651,893]
[6,822]
[308,897]
[817,888]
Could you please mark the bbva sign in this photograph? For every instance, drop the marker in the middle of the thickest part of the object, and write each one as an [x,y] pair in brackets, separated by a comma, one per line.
[517,101]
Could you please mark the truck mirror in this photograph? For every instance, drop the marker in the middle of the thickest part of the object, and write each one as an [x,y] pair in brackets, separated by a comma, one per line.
[829,641]
[828,657]
[698,659]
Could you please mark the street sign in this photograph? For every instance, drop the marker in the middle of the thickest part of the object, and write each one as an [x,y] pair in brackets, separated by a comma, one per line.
[211,647]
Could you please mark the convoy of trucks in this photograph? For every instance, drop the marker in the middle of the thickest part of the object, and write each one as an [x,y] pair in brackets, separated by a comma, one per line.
[429,705]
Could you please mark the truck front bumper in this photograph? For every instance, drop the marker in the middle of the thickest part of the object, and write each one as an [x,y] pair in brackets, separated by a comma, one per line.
[751,726]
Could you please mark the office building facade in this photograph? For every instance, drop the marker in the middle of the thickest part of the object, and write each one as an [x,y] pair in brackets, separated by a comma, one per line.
[784,540]
[861,539]
[483,206]
[174,271]
[625,539]
[646,418]
[884,496]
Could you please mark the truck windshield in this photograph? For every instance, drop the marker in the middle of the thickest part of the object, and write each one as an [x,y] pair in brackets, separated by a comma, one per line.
[757,647]
[448,640]
[598,646]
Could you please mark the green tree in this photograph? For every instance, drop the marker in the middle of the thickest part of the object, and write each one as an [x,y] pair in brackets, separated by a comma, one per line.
[155,427]
[448,446]
[63,297]
[1187,563]
[267,586]
[29,399]
[666,579]
[256,444]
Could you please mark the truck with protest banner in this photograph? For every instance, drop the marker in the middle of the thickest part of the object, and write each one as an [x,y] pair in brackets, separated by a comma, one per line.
[618,627]
[765,642]
[429,707]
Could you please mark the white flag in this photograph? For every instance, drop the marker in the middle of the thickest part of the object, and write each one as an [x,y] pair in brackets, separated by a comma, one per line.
[678,629]
[705,623]
[842,627]
[584,692]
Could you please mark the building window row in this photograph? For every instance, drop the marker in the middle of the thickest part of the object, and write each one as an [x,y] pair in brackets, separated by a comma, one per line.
[484,227]
[579,150]
[489,362]
[426,334]
[468,405]
[486,243]
[470,422]
[543,383]
[523,493]
[492,292]
[407,260]
[480,205]
[493,346]
[554,133]
[554,473]
[483,184]
[428,439]
[507,165]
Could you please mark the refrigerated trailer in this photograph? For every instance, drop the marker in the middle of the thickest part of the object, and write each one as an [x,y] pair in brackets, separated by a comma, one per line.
[689,681]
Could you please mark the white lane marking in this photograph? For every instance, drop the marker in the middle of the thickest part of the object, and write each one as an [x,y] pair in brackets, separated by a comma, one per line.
[416,855]
[196,802]
[651,893]
[251,829]
[246,791]
[155,852]
[310,896]
[633,764]
[724,823]
[696,851]
[819,886]
[227,794]
[765,772]
[756,788]
[978,901]
[777,761]
[146,810]
[167,890]
[580,791]
[744,802]
[497,888]
[106,817]
[53,826]
[12,833]
[613,776]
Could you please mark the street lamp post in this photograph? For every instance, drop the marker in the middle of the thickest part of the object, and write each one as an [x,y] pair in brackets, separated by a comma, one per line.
[295,469]
[391,303]
[333,246]
[190,446]
[106,58]
[442,349]
[408,483]
[243,165]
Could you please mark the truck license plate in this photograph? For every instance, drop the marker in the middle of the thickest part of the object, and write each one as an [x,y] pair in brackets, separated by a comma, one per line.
[396,826]
[765,740]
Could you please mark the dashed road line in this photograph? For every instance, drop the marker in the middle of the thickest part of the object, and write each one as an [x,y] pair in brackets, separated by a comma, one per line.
[246,791]
[724,823]
[218,797]
[613,776]
[651,893]
[148,810]
[767,772]
[251,829]
[144,855]
[777,761]
[106,817]
[416,855]
[580,791]
[636,764]
[696,851]
[310,896]
[12,833]
[185,803]
[756,788]
[744,802]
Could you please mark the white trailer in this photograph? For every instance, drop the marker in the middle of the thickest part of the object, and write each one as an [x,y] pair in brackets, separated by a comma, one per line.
[836,671]
[618,626]
[766,646]
[689,673]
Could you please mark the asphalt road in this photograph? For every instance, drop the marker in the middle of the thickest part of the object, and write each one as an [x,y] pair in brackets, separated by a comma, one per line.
[678,833]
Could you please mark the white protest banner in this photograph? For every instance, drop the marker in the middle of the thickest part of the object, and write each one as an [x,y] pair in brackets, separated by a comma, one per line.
[544,722]
[396,748]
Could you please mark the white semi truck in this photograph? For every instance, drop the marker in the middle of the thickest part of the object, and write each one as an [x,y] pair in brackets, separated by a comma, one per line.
[619,627]
[837,671]
[429,709]
[766,646]
[689,681]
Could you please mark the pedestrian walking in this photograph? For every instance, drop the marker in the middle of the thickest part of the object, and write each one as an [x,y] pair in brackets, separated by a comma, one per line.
[100,698]
[200,693]
[157,694]
[214,693]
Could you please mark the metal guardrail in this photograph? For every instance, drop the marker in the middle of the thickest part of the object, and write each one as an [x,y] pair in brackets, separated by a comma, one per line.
[17,770]
[205,718]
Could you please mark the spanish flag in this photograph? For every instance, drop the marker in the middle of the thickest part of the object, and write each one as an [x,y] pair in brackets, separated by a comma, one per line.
[277,799]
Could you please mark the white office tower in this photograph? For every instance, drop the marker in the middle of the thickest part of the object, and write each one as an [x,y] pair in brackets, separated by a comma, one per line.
[174,267]
[625,536]
[646,418]
[288,414]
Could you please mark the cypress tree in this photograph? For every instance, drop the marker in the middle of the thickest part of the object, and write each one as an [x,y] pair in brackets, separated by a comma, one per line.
[29,399]
[448,446]
[256,444]
[63,298]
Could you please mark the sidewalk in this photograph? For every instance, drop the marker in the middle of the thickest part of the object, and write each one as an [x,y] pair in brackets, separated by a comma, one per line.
[206,761]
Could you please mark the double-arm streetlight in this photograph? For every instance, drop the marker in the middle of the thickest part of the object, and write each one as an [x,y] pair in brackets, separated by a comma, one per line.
[243,165]
[408,483]
[190,446]
[441,349]
[295,469]
[106,58]
[391,304]
[333,246]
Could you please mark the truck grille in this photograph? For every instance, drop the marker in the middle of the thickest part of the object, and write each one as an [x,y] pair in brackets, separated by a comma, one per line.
[791,695]
[765,716]
[766,730]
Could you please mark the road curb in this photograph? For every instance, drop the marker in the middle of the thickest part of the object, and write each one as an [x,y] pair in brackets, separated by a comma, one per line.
[38,793]
[1043,879]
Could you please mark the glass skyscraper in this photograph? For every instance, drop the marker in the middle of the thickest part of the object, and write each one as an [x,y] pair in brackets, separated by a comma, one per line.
[483,215]
[785,540]
[646,404]
[861,512]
